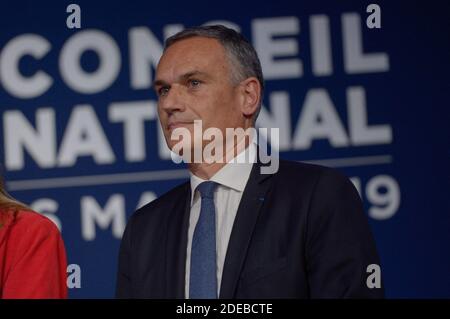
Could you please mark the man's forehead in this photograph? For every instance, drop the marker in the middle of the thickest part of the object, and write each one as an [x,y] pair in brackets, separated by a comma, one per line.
[196,53]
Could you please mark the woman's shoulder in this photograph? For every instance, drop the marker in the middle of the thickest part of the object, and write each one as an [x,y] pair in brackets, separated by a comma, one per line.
[33,223]
[35,260]
[29,216]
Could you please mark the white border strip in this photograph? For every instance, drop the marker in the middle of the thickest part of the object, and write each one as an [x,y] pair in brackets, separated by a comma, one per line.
[353,161]
[92,180]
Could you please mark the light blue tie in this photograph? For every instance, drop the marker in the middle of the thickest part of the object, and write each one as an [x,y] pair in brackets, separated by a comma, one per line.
[203,280]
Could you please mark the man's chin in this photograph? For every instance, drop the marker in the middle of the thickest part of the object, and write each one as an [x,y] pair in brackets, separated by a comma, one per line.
[188,154]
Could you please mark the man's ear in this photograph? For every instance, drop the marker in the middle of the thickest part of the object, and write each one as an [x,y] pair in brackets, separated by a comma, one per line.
[250,96]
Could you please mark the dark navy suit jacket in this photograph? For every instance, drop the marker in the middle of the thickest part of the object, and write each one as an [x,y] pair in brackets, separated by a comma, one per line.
[298,233]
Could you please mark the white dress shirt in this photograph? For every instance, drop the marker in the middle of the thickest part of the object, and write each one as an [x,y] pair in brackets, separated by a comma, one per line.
[231,180]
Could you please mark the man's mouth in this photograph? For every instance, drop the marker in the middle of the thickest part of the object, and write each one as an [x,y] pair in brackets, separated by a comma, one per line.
[173,125]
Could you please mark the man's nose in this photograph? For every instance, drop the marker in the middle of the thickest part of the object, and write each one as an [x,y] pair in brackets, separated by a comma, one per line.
[173,101]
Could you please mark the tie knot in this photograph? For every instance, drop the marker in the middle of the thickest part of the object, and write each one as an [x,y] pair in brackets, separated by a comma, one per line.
[206,189]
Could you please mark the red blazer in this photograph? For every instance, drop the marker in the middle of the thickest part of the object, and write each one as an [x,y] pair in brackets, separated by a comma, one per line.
[32,258]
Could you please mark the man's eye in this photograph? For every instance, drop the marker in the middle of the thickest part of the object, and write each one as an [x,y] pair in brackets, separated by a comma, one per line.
[194,83]
[163,91]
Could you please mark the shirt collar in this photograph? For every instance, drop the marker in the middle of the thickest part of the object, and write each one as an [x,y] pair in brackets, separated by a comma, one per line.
[233,175]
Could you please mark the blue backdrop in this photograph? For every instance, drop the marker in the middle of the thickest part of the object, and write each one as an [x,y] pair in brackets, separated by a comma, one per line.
[80,141]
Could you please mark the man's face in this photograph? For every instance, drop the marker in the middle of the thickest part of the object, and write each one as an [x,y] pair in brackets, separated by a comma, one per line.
[193,82]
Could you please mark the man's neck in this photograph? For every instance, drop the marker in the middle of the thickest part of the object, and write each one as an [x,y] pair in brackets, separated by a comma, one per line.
[208,170]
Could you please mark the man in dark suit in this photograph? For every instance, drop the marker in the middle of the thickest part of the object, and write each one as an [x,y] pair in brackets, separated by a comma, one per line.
[232,231]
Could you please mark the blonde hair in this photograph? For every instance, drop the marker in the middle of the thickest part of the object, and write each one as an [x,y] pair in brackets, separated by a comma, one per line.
[8,205]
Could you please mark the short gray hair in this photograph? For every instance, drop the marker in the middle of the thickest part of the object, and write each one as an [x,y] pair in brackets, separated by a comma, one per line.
[241,54]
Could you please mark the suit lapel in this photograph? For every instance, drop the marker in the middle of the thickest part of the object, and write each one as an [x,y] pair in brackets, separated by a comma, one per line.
[244,224]
[176,245]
